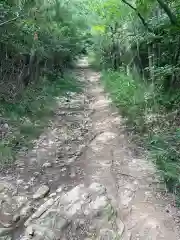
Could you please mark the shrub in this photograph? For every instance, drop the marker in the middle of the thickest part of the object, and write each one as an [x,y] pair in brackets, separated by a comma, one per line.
[148,118]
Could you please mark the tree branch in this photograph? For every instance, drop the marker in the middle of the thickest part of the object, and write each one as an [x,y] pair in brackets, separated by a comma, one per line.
[10,20]
[139,15]
[168,11]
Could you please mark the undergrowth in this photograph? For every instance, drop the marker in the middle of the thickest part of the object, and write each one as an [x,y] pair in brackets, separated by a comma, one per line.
[94,60]
[28,116]
[148,115]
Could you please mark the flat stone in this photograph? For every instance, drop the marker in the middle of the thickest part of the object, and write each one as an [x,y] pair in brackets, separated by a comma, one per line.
[74,209]
[99,203]
[41,192]
[74,195]
[43,208]
[61,223]
[64,212]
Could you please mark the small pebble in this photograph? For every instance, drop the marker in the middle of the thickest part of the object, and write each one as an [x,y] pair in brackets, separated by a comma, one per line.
[30,231]
[47,165]
[52,195]
[59,190]
[19,181]
[63,169]
[16,218]
[72,174]
[36,174]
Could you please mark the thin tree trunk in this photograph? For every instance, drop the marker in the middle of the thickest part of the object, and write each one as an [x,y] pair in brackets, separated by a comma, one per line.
[150,57]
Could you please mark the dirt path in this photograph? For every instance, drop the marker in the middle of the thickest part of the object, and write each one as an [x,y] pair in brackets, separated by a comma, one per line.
[82,179]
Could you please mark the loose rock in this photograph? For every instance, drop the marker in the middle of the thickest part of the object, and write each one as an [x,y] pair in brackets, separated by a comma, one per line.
[30,231]
[59,190]
[19,181]
[41,192]
[36,174]
[47,165]
[73,174]
[52,194]
[16,218]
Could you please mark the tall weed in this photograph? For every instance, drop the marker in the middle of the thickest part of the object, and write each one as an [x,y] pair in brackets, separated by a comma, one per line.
[146,111]
[127,94]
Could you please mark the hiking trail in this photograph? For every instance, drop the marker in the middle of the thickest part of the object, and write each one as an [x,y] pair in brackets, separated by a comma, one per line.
[82,179]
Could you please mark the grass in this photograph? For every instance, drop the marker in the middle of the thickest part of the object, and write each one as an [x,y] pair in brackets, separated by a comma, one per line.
[146,113]
[128,95]
[28,116]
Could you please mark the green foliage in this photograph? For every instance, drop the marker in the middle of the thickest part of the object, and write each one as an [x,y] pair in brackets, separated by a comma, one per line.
[142,37]
[39,41]
[164,147]
[153,127]
[128,95]
[37,37]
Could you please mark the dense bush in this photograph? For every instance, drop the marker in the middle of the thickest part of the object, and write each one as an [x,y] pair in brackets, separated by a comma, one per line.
[152,126]
[36,37]
[141,38]
[39,41]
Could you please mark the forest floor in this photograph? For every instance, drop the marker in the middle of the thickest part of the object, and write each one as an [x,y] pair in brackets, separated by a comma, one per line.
[83,180]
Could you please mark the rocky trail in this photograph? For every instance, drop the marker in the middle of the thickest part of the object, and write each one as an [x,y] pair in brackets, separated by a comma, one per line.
[82,180]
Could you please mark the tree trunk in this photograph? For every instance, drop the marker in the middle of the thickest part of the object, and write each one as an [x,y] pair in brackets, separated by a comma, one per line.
[168,11]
